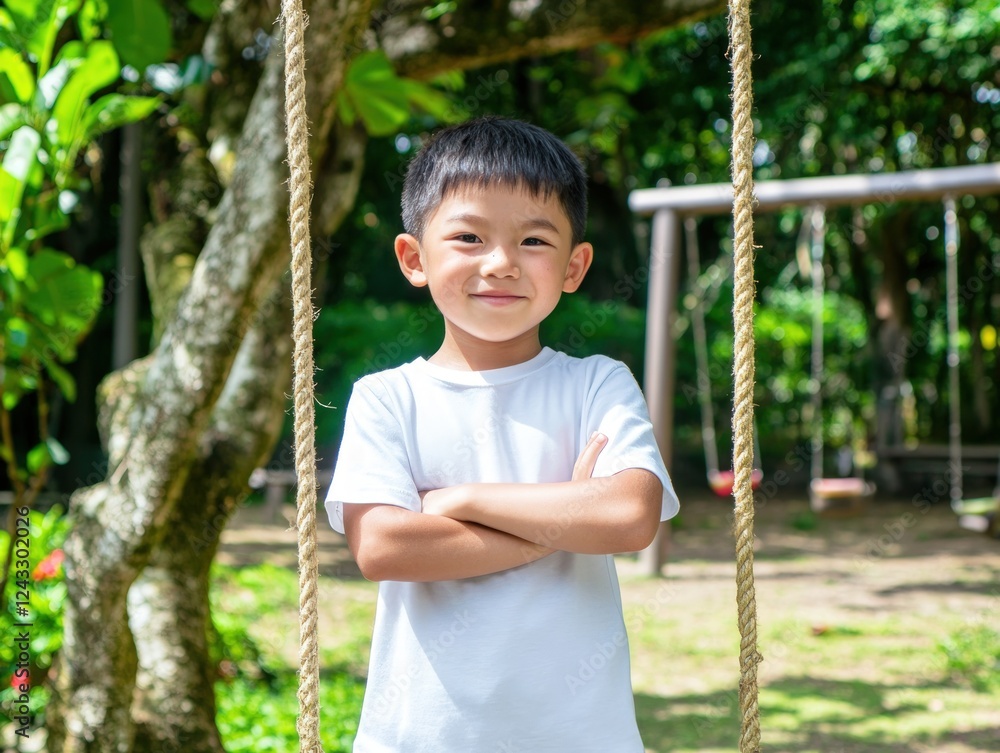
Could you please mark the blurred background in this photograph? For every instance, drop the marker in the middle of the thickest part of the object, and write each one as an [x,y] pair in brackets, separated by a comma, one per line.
[140,145]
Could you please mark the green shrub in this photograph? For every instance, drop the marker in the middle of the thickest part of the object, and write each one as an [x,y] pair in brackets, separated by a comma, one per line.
[973,654]
[256,718]
[43,580]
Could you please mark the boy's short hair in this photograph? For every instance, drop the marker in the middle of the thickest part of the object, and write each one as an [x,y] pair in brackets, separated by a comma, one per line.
[488,152]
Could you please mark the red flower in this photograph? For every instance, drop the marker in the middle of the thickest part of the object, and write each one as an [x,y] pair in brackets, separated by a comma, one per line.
[16,681]
[49,567]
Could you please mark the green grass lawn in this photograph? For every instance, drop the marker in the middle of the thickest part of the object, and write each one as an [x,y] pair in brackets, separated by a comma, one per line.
[902,655]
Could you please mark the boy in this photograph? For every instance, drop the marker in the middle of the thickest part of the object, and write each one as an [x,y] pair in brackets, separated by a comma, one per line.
[487,487]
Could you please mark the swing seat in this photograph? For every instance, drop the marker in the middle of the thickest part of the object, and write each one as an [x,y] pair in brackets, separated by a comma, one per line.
[722,482]
[839,497]
[981,515]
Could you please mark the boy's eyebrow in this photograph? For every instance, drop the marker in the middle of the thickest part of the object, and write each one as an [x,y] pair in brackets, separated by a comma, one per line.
[534,222]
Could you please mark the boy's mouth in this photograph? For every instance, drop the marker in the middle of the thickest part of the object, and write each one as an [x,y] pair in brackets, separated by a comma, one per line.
[497,298]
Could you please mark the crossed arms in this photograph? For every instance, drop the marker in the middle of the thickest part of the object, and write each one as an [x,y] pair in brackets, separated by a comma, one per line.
[477,529]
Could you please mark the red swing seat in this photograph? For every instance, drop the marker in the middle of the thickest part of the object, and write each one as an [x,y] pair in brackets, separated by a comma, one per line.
[722,482]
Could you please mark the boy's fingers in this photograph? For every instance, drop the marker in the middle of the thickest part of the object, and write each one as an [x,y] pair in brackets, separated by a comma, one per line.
[584,467]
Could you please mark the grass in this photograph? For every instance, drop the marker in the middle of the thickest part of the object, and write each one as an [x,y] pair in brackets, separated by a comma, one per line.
[902,656]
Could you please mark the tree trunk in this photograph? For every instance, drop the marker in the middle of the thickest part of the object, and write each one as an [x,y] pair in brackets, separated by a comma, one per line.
[180,438]
[895,348]
[174,705]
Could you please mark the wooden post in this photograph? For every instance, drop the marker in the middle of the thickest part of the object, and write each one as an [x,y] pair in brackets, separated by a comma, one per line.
[660,373]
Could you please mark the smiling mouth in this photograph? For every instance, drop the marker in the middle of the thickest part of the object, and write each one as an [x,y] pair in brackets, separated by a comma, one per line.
[498,299]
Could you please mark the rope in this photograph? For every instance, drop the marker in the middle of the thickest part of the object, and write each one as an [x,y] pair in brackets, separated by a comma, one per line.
[300,188]
[704,382]
[743,366]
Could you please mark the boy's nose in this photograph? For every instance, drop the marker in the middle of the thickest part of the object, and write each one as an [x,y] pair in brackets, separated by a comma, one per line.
[499,263]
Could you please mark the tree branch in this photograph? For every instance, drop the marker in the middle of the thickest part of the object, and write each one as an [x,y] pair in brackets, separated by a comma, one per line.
[506,30]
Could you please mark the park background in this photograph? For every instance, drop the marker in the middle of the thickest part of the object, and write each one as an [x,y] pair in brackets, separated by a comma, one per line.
[147,352]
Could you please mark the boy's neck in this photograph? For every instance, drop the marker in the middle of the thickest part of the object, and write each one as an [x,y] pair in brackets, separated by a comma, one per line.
[462,355]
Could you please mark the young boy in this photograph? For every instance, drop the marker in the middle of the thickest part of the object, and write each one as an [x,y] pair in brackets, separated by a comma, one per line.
[487,486]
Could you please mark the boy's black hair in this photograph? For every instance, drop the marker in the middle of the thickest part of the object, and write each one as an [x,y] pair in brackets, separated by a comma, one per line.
[493,151]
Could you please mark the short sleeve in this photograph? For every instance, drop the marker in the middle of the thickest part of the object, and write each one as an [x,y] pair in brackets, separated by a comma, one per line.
[372,464]
[618,410]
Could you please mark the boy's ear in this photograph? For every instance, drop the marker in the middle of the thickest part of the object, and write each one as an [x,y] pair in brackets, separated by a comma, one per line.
[407,249]
[580,260]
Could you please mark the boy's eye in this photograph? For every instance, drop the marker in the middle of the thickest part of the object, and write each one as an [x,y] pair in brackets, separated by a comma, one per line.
[534,242]
[467,238]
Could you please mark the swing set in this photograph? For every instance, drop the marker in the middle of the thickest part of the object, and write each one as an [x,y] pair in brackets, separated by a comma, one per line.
[739,197]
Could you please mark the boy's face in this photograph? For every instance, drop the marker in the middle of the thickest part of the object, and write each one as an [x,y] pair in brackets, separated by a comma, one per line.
[496,261]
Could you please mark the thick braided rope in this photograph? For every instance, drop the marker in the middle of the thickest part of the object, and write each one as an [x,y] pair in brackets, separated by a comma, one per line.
[300,188]
[743,366]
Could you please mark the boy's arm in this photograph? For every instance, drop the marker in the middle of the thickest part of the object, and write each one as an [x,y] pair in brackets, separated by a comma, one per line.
[393,543]
[605,515]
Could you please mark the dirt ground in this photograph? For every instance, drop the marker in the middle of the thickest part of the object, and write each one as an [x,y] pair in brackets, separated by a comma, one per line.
[851,614]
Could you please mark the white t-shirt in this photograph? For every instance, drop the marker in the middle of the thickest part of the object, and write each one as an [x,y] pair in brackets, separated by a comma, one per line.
[533,659]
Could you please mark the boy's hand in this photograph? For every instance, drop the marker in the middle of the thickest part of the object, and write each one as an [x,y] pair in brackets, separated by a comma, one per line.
[584,467]
[448,500]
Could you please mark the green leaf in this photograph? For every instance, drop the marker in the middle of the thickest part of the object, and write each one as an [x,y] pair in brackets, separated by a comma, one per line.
[38,22]
[11,118]
[345,109]
[17,332]
[38,458]
[436,11]
[115,110]
[16,262]
[377,94]
[204,9]
[64,297]
[451,80]
[58,453]
[89,19]
[21,156]
[431,101]
[99,69]
[22,152]
[55,79]
[140,30]
[17,83]
[63,379]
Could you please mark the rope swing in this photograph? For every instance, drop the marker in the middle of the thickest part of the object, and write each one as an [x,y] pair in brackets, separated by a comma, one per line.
[296,130]
[300,188]
[740,56]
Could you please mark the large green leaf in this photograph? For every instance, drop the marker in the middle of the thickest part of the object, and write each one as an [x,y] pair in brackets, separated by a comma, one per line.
[71,56]
[140,30]
[115,110]
[38,22]
[373,92]
[17,84]
[431,101]
[21,156]
[377,94]
[99,69]
[64,298]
